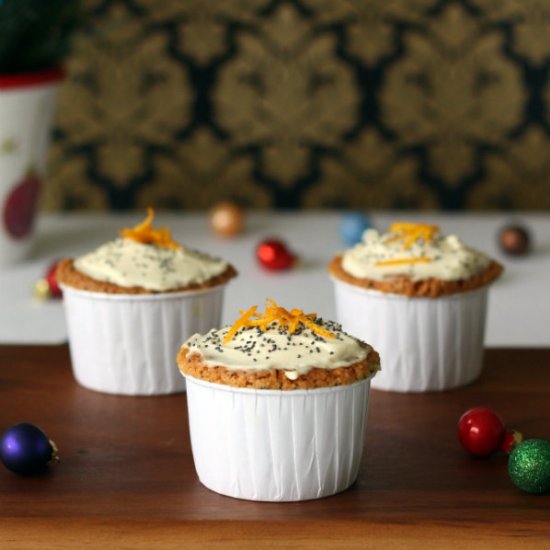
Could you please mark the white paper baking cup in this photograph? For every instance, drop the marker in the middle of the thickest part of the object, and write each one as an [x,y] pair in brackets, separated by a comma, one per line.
[425,344]
[127,344]
[276,445]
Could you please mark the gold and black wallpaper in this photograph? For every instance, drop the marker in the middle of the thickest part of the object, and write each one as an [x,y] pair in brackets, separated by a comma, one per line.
[305,104]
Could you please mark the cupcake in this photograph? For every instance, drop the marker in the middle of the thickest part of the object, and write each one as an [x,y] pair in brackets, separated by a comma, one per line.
[277,405]
[130,303]
[420,298]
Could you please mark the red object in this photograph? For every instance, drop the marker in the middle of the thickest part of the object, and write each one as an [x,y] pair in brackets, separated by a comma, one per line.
[510,441]
[481,431]
[51,279]
[20,206]
[274,255]
[22,80]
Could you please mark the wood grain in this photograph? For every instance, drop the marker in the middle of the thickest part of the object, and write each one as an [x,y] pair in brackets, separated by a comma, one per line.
[126,475]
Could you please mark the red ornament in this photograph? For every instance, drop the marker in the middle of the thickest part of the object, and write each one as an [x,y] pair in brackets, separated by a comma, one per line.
[481,431]
[48,287]
[274,255]
[51,279]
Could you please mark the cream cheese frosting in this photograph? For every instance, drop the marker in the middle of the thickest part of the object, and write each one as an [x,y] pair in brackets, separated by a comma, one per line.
[253,349]
[384,255]
[128,263]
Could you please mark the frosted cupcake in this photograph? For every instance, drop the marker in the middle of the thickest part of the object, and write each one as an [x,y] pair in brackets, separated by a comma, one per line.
[420,297]
[130,303]
[277,405]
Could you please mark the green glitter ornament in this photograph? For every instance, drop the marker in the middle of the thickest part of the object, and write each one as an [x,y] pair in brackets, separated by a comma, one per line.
[529,466]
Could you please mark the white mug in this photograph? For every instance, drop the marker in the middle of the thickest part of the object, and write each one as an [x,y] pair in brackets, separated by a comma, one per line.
[27,104]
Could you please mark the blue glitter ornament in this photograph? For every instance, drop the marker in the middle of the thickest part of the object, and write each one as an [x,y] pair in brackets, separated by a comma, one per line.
[26,450]
[352,227]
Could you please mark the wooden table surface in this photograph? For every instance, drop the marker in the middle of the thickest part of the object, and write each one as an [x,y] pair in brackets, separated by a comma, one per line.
[126,477]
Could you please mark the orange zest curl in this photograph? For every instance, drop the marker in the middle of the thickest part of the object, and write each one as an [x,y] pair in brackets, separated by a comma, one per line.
[243,321]
[144,233]
[398,261]
[289,320]
[411,232]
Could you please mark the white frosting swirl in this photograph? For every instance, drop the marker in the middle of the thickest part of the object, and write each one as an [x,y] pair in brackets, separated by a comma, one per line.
[449,259]
[253,350]
[128,263]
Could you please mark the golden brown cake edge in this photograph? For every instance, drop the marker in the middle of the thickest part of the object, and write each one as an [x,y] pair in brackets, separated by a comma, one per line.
[275,379]
[68,275]
[429,288]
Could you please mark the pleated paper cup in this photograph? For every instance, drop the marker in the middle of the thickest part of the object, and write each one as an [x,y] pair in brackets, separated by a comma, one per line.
[127,343]
[276,445]
[425,344]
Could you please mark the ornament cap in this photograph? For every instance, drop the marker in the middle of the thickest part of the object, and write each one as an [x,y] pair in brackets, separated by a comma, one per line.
[512,438]
[41,290]
[55,453]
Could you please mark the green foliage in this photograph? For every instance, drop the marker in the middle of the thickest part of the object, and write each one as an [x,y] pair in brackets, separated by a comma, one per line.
[35,34]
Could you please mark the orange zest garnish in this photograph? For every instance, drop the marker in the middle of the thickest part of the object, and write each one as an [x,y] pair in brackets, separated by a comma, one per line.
[289,320]
[411,232]
[398,261]
[243,321]
[144,233]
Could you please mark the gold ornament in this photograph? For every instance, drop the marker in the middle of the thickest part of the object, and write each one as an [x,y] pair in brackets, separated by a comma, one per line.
[226,219]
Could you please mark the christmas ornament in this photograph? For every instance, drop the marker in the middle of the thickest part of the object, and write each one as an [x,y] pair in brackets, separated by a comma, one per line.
[48,287]
[514,240]
[352,227]
[274,255]
[227,219]
[481,431]
[529,466]
[26,450]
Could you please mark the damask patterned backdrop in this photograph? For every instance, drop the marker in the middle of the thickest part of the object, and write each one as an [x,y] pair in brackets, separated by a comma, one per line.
[306,103]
